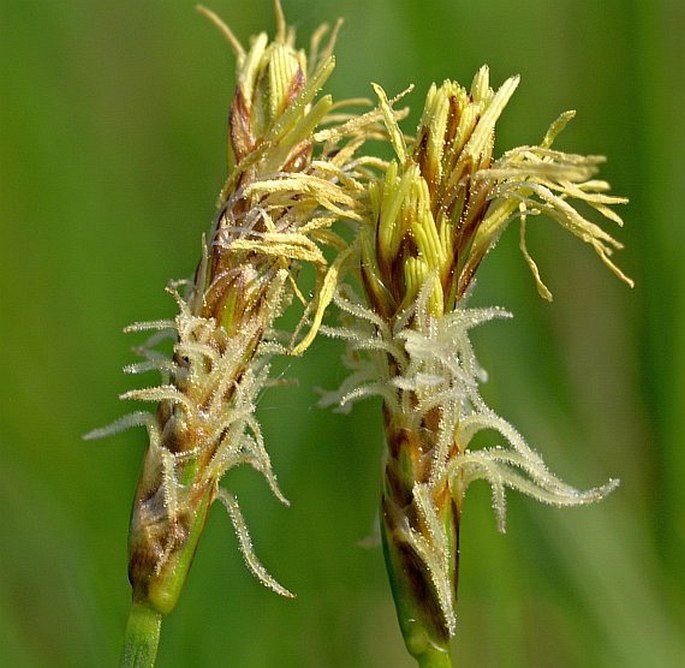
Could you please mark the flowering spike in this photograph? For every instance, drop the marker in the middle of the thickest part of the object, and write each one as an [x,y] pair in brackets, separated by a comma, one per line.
[284,191]
[433,215]
[425,221]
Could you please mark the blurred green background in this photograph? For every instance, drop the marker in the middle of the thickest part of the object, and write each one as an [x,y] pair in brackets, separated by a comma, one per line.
[112,135]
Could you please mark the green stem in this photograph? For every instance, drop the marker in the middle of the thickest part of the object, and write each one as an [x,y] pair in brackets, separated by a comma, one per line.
[142,637]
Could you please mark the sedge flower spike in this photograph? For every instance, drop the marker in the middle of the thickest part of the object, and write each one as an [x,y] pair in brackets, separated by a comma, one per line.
[432,216]
[288,156]
[424,222]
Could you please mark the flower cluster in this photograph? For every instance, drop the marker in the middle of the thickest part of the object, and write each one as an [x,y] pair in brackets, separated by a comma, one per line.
[423,222]
[433,214]
[294,171]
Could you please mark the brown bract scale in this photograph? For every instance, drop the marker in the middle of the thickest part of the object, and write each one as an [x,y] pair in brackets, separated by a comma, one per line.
[243,126]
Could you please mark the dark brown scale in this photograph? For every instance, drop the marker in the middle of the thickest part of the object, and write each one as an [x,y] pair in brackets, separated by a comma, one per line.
[300,159]
[398,507]
[423,590]
[466,277]
[453,119]
[174,437]
[395,489]
[296,85]
[242,138]
[155,540]
[408,248]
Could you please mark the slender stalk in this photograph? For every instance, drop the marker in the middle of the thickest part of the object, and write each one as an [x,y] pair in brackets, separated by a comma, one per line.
[142,637]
